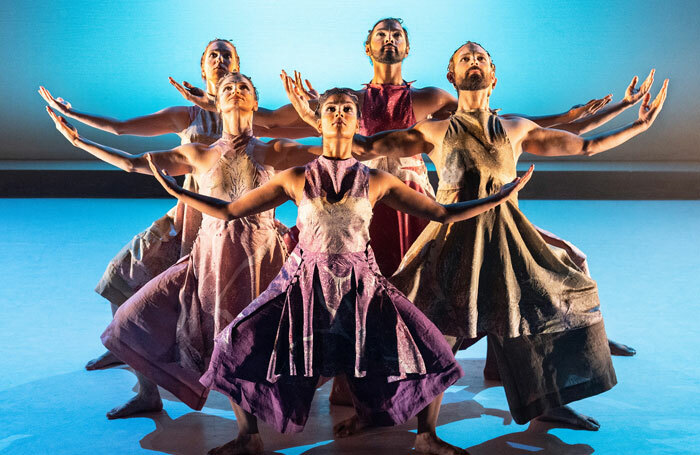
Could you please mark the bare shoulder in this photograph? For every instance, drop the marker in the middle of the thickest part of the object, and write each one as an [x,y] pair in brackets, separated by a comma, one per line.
[516,127]
[433,130]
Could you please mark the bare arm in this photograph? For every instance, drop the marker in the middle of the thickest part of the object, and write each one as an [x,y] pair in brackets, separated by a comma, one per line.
[393,143]
[284,154]
[576,112]
[632,96]
[277,191]
[399,196]
[169,120]
[177,161]
[527,137]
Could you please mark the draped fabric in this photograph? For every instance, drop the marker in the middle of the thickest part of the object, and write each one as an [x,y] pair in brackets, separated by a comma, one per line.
[330,311]
[166,330]
[390,107]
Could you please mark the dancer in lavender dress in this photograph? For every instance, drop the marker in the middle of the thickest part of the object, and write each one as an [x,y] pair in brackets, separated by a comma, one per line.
[166,330]
[171,237]
[330,311]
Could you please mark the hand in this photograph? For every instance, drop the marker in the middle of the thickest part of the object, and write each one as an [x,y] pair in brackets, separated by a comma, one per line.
[509,190]
[194,95]
[163,178]
[58,104]
[648,112]
[584,110]
[632,94]
[62,125]
[300,97]
[310,93]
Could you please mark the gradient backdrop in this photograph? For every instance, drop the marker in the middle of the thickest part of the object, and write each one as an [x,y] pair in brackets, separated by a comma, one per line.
[114,58]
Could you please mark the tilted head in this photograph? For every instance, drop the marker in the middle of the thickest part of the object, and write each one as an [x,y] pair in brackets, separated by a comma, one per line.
[387,41]
[219,57]
[236,91]
[338,113]
[471,68]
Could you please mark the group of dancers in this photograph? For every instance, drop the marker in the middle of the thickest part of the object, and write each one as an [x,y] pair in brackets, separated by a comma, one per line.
[383,279]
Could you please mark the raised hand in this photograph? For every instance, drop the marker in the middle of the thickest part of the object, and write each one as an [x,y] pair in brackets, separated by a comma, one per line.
[63,126]
[194,95]
[163,178]
[58,104]
[584,110]
[509,190]
[648,112]
[299,97]
[633,94]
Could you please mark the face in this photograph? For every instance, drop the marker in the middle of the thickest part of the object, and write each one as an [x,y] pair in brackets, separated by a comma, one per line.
[236,93]
[339,117]
[387,43]
[472,69]
[220,58]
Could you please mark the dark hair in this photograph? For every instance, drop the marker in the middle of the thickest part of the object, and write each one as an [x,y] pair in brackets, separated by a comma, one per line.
[235,76]
[337,91]
[390,19]
[215,40]
[451,65]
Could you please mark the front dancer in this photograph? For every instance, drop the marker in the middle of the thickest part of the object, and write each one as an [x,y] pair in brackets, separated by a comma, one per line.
[330,310]
[166,330]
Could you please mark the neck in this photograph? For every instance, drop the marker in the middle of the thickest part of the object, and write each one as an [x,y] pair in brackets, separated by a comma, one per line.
[211,87]
[237,123]
[337,147]
[473,99]
[387,73]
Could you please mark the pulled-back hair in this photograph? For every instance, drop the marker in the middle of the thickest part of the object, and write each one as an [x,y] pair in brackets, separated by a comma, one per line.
[337,91]
[451,64]
[235,76]
[390,19]
[215,40]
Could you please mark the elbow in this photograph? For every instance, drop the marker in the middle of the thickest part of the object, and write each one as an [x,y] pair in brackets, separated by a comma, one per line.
[588,148]
[129,166]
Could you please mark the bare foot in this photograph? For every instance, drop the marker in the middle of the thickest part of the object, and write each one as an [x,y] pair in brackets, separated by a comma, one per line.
[349,427]
[243,444]
[105,360]
[340,392]
[567,415]
[429,443]
[140,403]
[621,349]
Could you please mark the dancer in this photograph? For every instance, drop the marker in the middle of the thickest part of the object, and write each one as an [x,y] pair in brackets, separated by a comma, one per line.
[494,273]
[170,237]
[165,331]
[330,310]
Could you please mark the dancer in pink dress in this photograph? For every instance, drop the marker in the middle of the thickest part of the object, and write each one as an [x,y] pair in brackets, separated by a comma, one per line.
[171,237]
[165,331]
[330,311]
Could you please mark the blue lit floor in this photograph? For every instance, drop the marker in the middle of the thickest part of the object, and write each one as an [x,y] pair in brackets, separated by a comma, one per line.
[645,256]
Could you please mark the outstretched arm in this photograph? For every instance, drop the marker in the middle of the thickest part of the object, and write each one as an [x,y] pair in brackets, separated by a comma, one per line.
[177,161]
[527,137]
[399,196]
[576,112]
[632,96]
[268,196]
[169,120]
[393,143]
[283,154]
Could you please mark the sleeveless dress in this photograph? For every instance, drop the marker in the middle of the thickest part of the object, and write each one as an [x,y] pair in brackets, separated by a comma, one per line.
[329,312]
[495,274]
[390,107]
[170,237]
[166,330]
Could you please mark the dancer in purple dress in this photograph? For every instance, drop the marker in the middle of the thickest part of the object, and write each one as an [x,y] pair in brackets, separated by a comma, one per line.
[165,331]
[330,311]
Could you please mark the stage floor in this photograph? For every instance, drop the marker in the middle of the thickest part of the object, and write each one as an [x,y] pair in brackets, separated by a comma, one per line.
[645,256]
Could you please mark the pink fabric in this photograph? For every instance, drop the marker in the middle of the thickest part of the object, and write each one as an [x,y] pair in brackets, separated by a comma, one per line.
[387,107]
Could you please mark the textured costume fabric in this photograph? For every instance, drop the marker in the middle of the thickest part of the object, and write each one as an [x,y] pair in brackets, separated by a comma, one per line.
[390,107]
[329,312]
[170,237]
[166,330]
[495,274]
